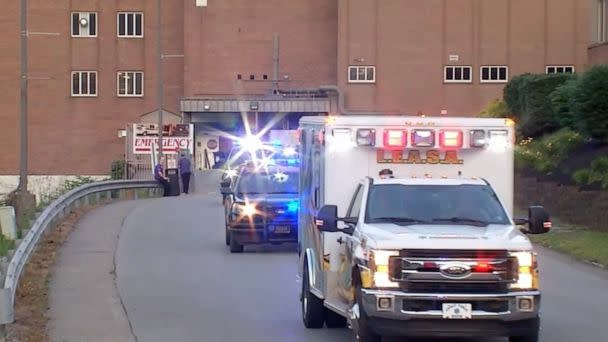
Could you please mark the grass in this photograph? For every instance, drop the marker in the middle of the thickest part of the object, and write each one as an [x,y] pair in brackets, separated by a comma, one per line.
[5,245]
[582,244]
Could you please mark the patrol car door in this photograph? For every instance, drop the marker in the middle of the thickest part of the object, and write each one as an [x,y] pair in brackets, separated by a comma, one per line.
[347,246]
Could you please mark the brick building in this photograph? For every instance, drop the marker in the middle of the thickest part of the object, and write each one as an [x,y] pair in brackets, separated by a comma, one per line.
[93,69]
[598,50]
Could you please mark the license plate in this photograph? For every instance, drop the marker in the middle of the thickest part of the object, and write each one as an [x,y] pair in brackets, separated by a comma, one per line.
[457,311]
[282,229]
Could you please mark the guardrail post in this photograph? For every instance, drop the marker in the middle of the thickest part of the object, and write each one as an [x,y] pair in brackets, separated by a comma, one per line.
[97,198]
[109,195]
[136,194]
[7,313]
[86,200]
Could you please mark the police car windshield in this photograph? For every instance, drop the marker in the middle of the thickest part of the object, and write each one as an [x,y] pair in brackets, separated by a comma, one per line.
[475,205]
[276,182]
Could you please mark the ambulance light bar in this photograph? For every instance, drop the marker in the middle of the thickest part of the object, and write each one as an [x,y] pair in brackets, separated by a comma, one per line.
[395,138]
[423,138]
[366,137]
[478,138]
[450,138]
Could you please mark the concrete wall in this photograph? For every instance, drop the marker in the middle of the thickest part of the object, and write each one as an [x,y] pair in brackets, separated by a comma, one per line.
[41,186]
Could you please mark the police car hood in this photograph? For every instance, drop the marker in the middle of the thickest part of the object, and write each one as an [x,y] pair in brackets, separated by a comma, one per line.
[421,236]
[270,198]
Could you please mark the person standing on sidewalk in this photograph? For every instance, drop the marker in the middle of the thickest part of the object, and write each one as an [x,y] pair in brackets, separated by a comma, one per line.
[159,176]
[185,170]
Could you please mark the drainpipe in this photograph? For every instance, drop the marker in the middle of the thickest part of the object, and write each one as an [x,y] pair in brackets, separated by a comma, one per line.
[338,92]
[341,108]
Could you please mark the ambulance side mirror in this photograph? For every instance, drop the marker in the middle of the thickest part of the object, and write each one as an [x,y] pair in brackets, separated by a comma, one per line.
[327,219]
[539,221]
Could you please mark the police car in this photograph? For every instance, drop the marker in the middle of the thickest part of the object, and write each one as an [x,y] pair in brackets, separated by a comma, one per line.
[262,205]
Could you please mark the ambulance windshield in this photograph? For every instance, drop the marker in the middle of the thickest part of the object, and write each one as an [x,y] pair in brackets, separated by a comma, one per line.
[475,205]
[275,182]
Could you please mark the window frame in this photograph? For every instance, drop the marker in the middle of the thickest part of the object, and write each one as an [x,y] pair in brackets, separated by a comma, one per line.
[601,27]
[560,66]
[356,199]
[134,72]
[490,67]
[454,67]
[357,67]
[80,72]
[79,15]
[126,35]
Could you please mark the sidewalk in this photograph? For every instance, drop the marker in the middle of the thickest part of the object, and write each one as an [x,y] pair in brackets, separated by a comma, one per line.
[84,302]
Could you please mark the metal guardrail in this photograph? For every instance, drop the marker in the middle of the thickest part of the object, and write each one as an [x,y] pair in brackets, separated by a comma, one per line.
[56,210]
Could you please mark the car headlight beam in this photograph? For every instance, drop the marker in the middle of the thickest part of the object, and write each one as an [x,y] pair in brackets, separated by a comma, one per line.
[527,271]
[379,265]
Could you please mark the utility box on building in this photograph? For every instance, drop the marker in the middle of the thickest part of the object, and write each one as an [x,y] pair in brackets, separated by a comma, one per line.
[8,223]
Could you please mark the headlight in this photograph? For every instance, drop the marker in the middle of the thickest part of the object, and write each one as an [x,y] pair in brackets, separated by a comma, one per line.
[230,173]
[289,151]
[247,209]
[379,266]
[527,271]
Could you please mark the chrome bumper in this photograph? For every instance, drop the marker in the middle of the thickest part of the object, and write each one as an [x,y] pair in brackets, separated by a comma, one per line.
[399,300]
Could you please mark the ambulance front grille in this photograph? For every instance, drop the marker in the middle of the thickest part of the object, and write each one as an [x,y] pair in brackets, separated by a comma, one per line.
[419,271]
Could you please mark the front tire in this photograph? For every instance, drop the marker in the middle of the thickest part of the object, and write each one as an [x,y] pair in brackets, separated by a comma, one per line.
[312,307]
[361,327]
[235,247]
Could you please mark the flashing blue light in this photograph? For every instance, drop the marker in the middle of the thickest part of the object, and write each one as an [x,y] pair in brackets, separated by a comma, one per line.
[292,206]
[292,161]
[277,143]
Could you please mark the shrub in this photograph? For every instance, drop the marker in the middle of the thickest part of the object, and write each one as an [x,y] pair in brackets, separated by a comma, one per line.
[582,177]
[545,154]
[527,98]
[513,94]
[118,168]
[495,109]
[598,173]
[591,102]
[562,104]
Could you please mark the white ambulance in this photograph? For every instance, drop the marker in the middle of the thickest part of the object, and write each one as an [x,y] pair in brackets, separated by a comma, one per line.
[432,252]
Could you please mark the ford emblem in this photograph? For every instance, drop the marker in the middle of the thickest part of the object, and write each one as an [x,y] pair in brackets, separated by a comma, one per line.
[455,270]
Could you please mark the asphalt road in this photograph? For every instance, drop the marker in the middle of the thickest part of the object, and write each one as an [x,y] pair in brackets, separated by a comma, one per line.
[179,282]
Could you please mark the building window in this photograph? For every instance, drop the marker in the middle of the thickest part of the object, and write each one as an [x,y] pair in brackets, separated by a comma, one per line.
[84,24]
[457,74]
[560,69]
[130,24]
[494,74]
[130,83]
[361,74]
[84,83]
[602,21]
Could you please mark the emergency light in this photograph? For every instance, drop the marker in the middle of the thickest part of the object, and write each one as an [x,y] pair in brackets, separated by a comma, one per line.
[450,138]
[395,139]
[478,138]
[423,138]
[366,137]
[292,206]
[499,139]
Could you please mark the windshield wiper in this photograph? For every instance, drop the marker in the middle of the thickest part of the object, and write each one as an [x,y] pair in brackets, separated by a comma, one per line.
[462,220]
[397,220]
